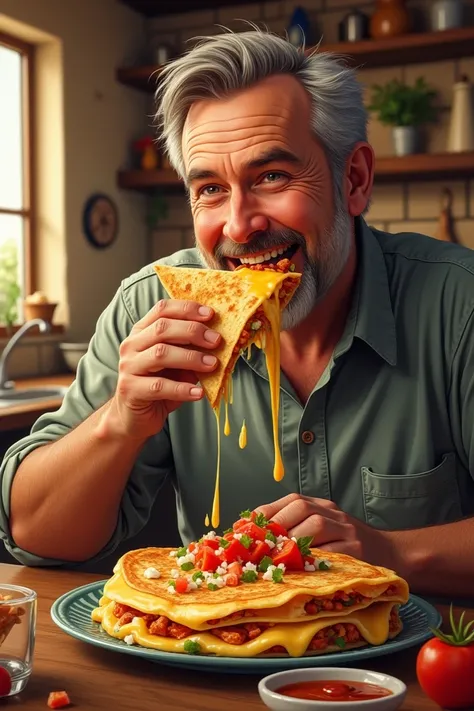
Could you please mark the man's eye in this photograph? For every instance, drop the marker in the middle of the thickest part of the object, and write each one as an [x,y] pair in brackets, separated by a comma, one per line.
[273,177]
[209,190]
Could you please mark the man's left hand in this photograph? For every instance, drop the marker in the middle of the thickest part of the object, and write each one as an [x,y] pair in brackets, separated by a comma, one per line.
[331,529]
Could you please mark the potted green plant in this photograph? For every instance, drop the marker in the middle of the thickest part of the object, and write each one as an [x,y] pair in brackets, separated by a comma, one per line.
[9,287]
[406,108]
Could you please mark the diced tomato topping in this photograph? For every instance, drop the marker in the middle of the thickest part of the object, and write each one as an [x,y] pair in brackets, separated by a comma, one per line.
[241,522]
[235,569]
[235,551]
[290,555]
[58,699]
[254,531]
[192,546]
[212,543]
[208,561]
[258,551]
[181,585]
[232,580]
[228,536]
[276,529]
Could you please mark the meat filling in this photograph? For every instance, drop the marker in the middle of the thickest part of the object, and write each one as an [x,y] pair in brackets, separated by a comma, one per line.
[246,631]
[341,600]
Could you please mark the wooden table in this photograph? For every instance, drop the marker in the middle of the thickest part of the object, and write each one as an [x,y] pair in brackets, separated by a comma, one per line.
[98,679]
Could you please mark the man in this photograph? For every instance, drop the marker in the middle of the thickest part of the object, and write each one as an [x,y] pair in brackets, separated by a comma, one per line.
[377,410]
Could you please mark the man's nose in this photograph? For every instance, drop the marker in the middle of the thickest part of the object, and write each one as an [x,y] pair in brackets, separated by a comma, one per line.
[243,220]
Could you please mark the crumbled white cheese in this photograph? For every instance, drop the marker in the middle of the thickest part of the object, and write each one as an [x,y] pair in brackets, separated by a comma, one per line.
[318,561]
[188,558]
[191,586]
[224,564]
[220,570]
[129,639]
[250,566]
[270,543]
[152,573]
[220,582]
[173,554]
[238,536]
[136,620]
[309,568]
[175,573]
[171,589]
[293,538]
[280,546]
[199,582]
[282,539]
[210,534]
[219,551]
[282,566]
[268,575]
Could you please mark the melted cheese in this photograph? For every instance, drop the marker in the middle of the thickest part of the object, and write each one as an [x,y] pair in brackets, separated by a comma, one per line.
[196,615]
[206,520]
[372,623]
[265,285]
[243,436]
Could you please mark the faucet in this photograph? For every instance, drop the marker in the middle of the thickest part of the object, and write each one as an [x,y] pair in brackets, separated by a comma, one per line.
[44,327]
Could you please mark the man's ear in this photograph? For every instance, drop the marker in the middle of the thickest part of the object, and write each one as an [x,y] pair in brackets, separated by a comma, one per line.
[359,178]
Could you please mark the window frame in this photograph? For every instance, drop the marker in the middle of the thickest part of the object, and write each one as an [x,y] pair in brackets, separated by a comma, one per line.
[28,211]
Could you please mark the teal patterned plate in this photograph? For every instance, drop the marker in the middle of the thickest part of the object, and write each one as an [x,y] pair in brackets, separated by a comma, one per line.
[72,613]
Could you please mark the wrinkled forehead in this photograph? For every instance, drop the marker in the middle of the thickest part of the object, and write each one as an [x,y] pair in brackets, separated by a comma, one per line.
[277,109]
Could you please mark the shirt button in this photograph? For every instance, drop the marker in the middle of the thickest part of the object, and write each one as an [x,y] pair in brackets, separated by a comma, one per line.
[307,437]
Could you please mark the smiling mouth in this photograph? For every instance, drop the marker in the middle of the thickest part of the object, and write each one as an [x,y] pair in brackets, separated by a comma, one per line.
[271,257]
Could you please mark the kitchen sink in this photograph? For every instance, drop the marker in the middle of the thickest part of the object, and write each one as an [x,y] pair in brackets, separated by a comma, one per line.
[12,398]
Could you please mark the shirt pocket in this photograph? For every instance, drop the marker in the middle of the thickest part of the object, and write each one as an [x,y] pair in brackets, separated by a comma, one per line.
[394,502]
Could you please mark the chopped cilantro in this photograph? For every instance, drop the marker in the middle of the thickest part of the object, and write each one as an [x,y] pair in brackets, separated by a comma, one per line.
[277,575]
[323,565]
[245,514]
[270,536]
[212,586]
[264,563]
[249,576]
[304,543]
[260,520]
[246,541]
[198,576]
[348,603]
[341,642]
[224,543]
[181,552]
[192,647]
[172,583]
[187,566]
[292,267]
[228,530]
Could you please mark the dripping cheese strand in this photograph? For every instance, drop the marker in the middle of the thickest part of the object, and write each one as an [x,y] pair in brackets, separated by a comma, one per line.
[215,515]
[243,436]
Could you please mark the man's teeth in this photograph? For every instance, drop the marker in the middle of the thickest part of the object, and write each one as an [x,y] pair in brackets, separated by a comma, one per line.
[263,257]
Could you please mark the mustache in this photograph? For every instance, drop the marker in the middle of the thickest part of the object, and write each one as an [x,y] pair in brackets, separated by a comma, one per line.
[261,242]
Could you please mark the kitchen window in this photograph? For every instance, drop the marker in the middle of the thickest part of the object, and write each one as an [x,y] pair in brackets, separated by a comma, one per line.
[17,224]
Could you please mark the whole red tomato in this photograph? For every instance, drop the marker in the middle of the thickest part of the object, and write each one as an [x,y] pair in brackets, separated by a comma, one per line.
[5,682]
[445,667]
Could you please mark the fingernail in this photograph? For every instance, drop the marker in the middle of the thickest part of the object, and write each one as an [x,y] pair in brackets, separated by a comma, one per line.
[209,359]
[204,311]
[211,336]
[195,392]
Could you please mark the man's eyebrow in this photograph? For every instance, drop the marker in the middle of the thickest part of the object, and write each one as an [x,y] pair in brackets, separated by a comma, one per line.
[274,155]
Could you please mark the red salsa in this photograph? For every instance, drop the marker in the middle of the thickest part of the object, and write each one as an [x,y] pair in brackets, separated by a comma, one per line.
[334,690]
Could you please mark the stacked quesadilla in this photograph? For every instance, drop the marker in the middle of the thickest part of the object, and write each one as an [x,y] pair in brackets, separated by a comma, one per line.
[251,592]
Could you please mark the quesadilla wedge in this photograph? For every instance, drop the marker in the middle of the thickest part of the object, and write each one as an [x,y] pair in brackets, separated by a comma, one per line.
[238,595]
[247,304]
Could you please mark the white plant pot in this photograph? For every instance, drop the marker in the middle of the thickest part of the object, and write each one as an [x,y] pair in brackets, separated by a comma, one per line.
[405,140]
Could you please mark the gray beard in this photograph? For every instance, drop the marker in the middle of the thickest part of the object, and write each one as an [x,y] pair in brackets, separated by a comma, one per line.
[319,272]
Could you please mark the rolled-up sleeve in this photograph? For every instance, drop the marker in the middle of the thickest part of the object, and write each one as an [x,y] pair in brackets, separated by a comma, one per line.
[94,385]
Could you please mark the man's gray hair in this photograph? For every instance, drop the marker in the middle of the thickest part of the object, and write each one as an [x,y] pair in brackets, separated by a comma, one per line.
[223,64]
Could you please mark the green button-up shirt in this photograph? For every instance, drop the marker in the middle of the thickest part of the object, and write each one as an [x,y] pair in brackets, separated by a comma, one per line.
[392,416]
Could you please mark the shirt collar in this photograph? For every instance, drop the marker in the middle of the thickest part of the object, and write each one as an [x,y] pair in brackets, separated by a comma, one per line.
[375,322]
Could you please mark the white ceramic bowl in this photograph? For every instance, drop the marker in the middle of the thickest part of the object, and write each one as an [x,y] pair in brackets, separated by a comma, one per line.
[72,353]
[278,702]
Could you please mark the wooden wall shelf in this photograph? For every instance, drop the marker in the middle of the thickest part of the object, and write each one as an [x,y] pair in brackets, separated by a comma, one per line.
[396,51]
[424,166]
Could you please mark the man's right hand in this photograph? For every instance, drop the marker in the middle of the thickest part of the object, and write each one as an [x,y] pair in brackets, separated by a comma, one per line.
[158,366]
